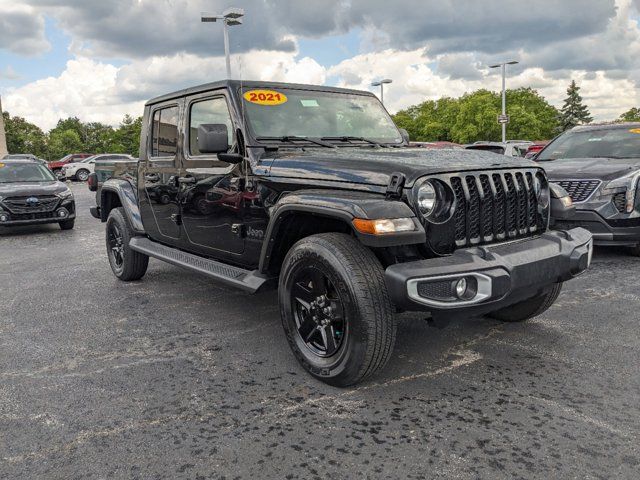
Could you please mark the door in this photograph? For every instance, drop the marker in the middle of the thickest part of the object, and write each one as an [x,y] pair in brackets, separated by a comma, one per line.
[212,204]
[159,173]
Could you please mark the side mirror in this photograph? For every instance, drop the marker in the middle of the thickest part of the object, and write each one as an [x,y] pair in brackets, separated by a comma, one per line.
[213,138]
[405,135]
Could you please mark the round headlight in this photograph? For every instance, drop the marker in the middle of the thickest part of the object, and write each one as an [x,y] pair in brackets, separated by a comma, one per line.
[427,198]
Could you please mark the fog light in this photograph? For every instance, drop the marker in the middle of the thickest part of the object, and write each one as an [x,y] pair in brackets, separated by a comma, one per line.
[4,217]
[63,212]
[461,287]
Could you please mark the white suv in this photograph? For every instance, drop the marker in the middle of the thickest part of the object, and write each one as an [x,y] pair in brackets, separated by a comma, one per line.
[81,170]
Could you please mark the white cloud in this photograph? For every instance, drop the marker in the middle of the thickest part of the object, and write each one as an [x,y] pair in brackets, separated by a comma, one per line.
[95,91]
[21,29]
[414,81]
[84,89]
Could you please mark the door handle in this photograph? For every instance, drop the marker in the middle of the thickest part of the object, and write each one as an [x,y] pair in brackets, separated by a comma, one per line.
[186,180]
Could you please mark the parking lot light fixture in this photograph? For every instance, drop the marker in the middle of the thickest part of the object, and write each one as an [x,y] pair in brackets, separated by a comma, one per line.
[503,66]
[230,17]
[380,84]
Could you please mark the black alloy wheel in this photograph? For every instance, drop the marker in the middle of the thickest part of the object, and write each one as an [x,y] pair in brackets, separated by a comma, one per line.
[115,242]
[319,312]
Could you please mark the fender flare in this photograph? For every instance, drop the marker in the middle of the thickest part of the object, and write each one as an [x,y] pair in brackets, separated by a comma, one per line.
[128,198]
[344,206]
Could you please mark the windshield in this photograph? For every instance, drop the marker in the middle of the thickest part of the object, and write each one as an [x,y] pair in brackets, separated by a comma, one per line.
[88,159]
[610,143]
[302,113]
[24,172]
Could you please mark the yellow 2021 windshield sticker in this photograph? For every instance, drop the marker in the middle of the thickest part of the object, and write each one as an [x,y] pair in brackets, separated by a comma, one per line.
[265,97]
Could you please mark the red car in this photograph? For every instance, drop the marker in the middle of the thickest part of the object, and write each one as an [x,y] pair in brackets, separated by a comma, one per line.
[534,148]
[71,158]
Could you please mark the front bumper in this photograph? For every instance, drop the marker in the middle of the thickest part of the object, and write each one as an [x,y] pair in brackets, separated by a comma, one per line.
[623,231]
[9,219]
[503,274]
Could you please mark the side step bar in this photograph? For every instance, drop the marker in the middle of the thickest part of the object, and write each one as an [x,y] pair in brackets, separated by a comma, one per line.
[247,280]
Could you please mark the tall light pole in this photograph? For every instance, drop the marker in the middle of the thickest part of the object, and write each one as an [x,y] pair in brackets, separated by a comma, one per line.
[230,17]
[381,85]
[503,118]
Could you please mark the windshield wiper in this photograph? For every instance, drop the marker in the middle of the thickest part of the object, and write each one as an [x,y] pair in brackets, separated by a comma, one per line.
[293,138]
[350,139]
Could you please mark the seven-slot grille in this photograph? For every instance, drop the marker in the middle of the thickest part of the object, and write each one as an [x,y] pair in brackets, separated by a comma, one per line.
[579,190]
[20,205]
[496,206]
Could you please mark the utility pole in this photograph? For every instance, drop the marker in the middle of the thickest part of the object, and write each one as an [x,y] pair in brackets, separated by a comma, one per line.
[3,137]
[230,17]
[504,119]
[381,85]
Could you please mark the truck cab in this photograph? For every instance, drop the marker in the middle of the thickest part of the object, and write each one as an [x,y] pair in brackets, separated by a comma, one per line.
[314,191]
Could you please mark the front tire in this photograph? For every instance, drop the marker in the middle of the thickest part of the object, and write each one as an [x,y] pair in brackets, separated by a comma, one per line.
[335,308]
[529,308]
[126,264]
[82,175]
[67,224]
[635,251]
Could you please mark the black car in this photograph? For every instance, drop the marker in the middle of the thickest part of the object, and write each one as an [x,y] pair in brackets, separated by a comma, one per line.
[599,165]
[30,193]
[315,191]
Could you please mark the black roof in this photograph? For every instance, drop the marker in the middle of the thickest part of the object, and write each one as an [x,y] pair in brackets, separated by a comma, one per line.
[605,126]
[233,84]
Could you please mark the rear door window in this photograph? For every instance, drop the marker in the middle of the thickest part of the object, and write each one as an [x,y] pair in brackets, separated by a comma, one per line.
[164,132]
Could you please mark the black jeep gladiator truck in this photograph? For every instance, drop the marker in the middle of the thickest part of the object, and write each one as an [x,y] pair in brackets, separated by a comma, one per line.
[315,190]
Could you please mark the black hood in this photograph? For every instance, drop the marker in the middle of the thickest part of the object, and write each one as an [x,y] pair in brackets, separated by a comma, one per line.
[374,166]
[19,189]
[590,168]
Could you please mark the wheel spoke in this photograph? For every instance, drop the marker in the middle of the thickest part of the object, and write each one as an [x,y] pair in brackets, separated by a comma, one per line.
[307,329]
[319,282]
[329,340]
[303,295]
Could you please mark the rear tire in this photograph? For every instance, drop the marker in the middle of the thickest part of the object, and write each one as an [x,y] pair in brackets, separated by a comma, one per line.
[126,264]
[354,338]
[529,308]
[67,224]
[82,175]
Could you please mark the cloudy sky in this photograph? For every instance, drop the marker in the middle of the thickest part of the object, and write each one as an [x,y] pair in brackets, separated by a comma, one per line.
[100,59]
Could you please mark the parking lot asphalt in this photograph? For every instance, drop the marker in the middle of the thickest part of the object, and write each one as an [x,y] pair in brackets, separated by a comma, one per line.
[177,377]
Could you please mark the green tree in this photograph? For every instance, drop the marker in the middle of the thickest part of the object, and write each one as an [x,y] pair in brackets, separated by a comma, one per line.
[24,137]
[474,117]
[71,123]
[632,115]
[126,138]
[63,142]
[477,117]
[98,137]
[531,116]
[573,112]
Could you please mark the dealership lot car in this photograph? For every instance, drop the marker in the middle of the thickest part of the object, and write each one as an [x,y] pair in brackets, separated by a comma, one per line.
[599,165]
[30,194]
[57,166]
[315,189]
[81,170]
[513,148]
